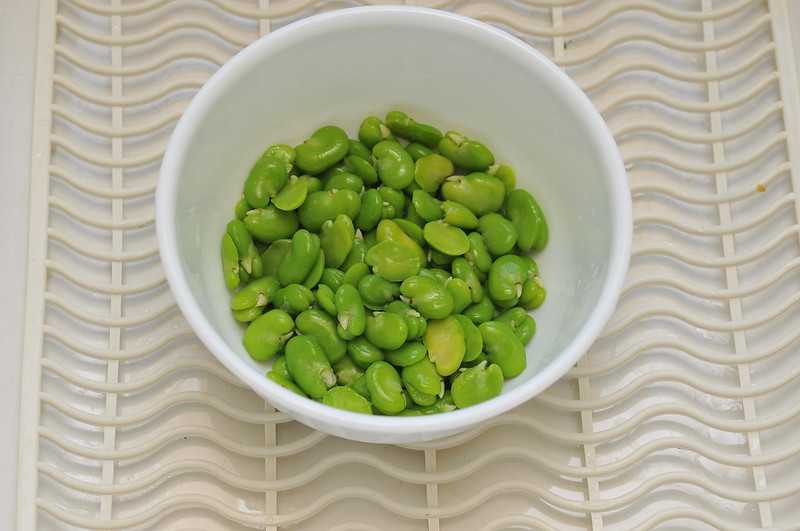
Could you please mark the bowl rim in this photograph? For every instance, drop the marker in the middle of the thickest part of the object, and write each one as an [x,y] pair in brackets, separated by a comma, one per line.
[620,207]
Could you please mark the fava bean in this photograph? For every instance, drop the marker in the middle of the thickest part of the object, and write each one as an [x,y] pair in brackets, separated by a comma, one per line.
[376,291]
[428,297]
[286,383]
[481,311]
[463,270]
[279,366]
[385,388]
[357,254]
[524,325]
[505,173]
[395,166]
[268,175]
[393,261]
[326,146]
[406,127]
[391,230]
[266,335]
[477,384]
[498,233]
[230,262]
[506,278]
[503,347]
[346,371]
[256,294]
[479,192]
[428,207]
[325,299]
[336,240]
[371,210]
[344,181]
[270,224]
[528,220]
[363,353]
[460,292]
[409,354]
[372,131]
[350,312]
[322,328]
[423,377]
[322,206]
[363,168]
[273,255]
[473,341]
[417,150]
[431,170]
[478,255]
[333,278]
[444,340]
[355,273]
[293,298]
[386,330]
[315,275]
[446,238]
[533,294]
[300,259]
[465,153]
[309,367]
[292,195]
[357,149]
[345,398]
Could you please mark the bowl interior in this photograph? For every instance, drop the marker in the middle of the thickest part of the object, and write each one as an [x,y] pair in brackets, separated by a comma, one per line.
[455,76]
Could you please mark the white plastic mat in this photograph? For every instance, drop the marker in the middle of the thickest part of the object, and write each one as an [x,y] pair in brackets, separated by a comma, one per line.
[683,416]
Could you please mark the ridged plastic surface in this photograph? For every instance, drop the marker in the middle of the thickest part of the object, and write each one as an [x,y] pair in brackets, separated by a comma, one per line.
[683,416]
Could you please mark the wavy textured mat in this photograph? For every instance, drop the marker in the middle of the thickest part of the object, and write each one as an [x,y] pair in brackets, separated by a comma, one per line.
[683,416]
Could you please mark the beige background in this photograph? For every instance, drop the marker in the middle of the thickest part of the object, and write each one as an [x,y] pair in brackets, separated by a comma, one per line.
[18,19]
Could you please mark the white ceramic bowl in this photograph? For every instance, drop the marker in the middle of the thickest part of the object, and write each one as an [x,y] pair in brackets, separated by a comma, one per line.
[441,68]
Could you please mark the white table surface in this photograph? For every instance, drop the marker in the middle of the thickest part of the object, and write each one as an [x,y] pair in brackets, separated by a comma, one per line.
[18,24]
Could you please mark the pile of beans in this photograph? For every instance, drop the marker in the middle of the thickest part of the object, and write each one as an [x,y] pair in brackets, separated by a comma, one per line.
[389,274]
